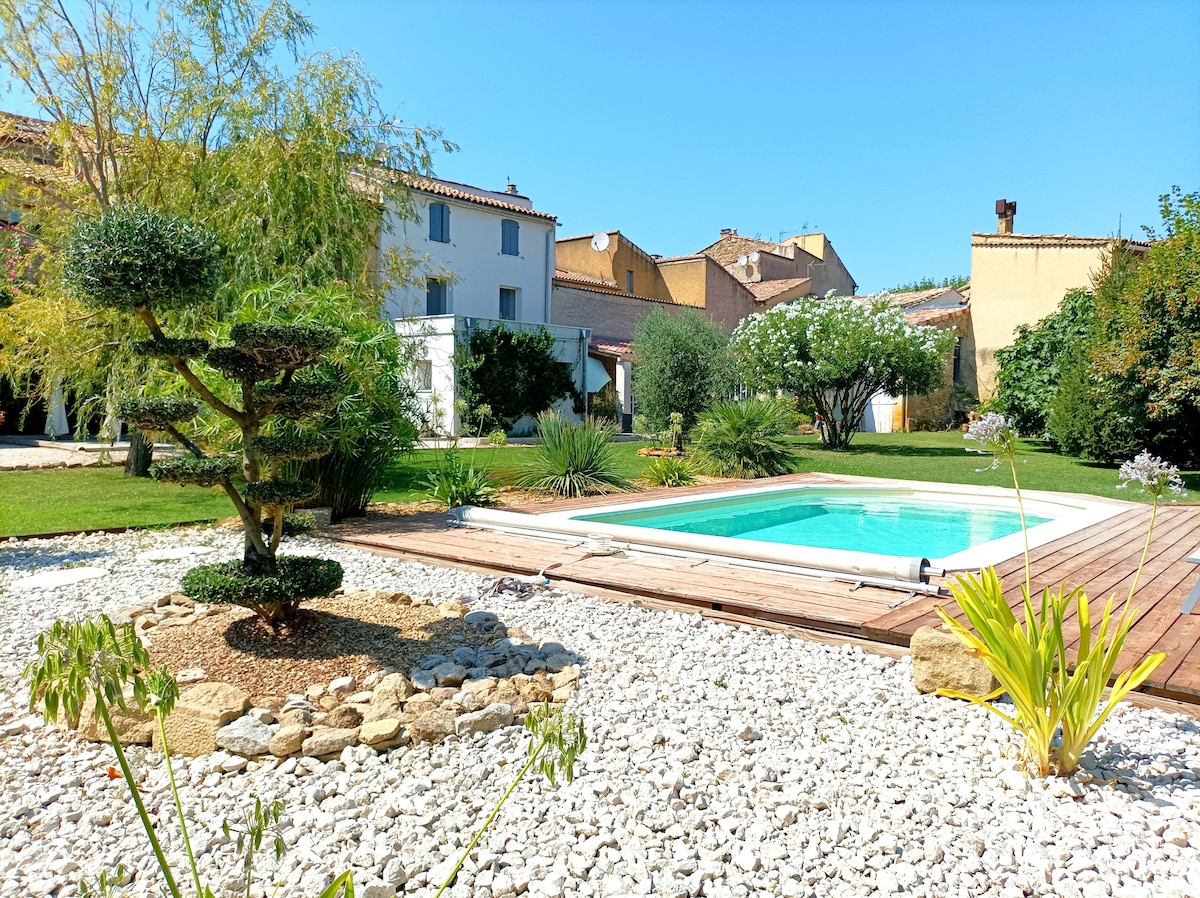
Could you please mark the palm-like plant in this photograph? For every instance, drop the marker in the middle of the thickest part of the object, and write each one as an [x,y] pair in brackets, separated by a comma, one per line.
[745,439]
[573,459]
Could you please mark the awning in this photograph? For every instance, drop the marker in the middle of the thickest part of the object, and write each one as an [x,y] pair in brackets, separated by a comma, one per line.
[597,375]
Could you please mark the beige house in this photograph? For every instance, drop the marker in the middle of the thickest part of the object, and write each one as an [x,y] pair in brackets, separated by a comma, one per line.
[1020,279]
[802,265]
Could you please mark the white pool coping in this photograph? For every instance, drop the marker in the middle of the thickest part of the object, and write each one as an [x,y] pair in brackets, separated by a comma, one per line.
[1069,513]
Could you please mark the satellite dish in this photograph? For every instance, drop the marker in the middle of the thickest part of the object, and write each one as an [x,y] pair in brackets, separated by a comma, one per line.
[742,260]
[754,256]
[600,242]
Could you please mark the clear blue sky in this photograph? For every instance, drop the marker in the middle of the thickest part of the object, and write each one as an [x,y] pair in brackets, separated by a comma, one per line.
[891,126]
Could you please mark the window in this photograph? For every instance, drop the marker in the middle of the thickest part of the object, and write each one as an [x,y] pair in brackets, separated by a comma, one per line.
[439,222]
[424,375]
[958,372]
[509,237]
[629,282]
[508,304]
[435,297]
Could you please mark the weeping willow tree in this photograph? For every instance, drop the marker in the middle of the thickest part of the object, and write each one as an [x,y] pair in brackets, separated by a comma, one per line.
[286,163]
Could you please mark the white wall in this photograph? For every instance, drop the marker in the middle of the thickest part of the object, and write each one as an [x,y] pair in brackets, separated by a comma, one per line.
[473,259]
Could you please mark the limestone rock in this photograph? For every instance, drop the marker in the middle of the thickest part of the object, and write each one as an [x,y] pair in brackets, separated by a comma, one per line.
[941,661]
[379,732]
[432,726]
[288,740]
[199,712]
[132,726]
[295,716]
[344,717]
[484,721]
[342,686]
[246,736]
[453,609]
[328,741]
[424,679]
[389,697]
[538,688]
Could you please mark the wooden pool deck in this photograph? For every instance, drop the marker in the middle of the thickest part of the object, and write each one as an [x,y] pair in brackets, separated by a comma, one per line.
[1102,557]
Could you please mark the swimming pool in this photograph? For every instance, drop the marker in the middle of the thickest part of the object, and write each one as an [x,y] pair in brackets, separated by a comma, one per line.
[894,533]
[855,520]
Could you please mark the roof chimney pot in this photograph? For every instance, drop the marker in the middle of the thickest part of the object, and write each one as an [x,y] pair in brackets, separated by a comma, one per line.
[511,188]
[1005,213]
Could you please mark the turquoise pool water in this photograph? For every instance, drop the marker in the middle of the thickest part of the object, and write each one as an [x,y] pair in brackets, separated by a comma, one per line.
[886,523]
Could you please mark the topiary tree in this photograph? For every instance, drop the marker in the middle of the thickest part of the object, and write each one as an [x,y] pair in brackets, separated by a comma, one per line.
[141,262]
[838,353]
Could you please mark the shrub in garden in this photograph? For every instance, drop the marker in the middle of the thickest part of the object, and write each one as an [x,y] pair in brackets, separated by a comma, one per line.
[152,266]
[683,366]
[512,374]
[454,483]
[838,353]
[1054,691]
[573,459]
[1091,416]
[670,471]
[746,438]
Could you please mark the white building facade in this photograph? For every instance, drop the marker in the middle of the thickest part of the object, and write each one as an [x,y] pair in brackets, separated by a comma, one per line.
[486,258]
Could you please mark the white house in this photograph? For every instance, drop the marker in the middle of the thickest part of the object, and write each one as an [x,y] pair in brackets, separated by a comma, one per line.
[487,258]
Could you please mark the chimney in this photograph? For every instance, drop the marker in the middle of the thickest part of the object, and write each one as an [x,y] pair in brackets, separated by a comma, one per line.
[728,232]
[511,188]
[1005,213]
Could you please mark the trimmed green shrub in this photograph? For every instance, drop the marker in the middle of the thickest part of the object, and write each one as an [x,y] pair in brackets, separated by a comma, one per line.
[158,413]
[196,471]
[132,256]
[273,597]
[294,446]
[300,398]
[284,345]
[683,365]
[745,439]
[278,493]
[573,459]
[512,374]
[296,523]
[1090,418]
[671,471]
[237,365]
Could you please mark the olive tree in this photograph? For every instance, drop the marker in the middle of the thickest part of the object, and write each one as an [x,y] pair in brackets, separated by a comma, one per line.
[148,265]
[682,365]
[838,353]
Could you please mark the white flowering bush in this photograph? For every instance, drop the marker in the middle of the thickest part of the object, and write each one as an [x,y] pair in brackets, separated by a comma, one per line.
[838,353]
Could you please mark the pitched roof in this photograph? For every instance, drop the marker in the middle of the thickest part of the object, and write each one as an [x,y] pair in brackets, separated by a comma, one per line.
[599,285]
[466,193]
[937,316]
[764,290]
[610,346]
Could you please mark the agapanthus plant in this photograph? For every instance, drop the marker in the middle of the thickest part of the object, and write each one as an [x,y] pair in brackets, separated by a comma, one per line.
[1052,694]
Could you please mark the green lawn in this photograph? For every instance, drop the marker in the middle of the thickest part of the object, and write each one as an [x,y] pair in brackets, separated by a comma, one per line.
[55,501]
[68,499]
[905,456]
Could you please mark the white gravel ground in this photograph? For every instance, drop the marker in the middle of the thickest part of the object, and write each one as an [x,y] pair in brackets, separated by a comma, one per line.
[721,762]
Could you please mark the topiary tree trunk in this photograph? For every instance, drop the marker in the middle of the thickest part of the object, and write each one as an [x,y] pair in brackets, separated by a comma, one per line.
[138,261]
[140,455]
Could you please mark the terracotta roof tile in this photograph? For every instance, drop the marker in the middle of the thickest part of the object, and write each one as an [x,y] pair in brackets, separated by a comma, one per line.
[1048,240]
[610,346]
[764,290]
[937,316]
[453,191]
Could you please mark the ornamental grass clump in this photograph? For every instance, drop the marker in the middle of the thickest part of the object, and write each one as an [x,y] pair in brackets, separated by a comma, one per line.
[573,459]
[1054,692]
[158,267]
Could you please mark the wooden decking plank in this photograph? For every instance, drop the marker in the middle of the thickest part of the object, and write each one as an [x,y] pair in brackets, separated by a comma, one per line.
[1185,679]
[1178,641]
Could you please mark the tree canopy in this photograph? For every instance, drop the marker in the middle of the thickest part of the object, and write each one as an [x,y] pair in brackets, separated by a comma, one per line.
[838,353]
[682,365]
[217,112]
